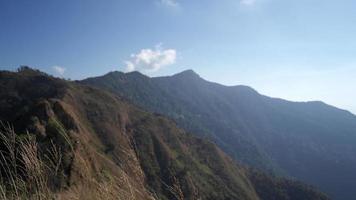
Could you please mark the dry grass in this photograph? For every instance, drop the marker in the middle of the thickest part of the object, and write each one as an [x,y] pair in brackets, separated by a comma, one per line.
[27,172]
[22,169]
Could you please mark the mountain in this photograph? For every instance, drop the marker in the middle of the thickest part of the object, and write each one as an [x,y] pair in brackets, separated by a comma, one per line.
[65,140]
[310,141]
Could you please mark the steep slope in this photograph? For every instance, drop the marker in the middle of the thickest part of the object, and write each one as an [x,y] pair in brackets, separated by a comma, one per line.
[188,108]
[311,141]
[130,153]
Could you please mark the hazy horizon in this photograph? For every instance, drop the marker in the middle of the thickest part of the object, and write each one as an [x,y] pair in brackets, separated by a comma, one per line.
[259,91]
[298,51]
[272,116]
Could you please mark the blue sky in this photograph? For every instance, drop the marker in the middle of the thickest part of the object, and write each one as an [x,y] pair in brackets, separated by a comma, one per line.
[298,50]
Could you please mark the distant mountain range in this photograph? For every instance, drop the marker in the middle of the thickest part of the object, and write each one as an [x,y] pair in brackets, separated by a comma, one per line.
[310,141]
[94,144]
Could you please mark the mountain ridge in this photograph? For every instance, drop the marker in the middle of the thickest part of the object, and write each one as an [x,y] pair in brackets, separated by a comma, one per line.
[191,72]
[132,153]
[288,138]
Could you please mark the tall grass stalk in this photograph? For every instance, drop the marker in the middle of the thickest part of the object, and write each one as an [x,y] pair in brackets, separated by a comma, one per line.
[26,171]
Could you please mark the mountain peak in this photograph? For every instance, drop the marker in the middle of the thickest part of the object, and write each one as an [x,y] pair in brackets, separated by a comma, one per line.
[119,74]
[137,73]
[187,74]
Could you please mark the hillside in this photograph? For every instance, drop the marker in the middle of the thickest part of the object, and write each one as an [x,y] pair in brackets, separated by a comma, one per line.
[310,141]
[109,149]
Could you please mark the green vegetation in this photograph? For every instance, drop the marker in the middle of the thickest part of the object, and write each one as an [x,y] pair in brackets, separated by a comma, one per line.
[84,143]
[309,141]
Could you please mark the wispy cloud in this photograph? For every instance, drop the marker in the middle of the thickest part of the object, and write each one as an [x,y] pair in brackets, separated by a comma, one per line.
[247,2]
[170,3]
[150,60]
[59,70]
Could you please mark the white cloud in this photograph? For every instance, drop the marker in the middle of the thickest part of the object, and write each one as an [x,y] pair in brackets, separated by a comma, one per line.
[150,60]
[171,3]
[247,2]
[59,70]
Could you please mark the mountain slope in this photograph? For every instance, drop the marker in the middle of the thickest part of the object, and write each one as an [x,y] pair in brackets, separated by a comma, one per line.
[130,153]
[311,141]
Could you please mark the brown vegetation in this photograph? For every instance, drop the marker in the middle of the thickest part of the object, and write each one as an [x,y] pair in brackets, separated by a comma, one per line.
[77,142]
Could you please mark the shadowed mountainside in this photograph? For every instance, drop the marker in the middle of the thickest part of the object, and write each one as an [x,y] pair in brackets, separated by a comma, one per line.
[310,141]
[124,151]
